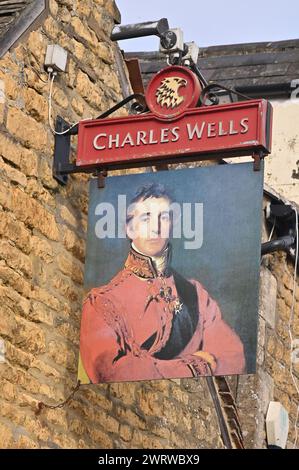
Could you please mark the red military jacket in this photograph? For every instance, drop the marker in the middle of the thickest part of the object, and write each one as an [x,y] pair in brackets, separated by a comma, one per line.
[137,328]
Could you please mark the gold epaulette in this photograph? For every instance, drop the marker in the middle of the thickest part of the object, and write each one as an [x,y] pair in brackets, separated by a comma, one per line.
[101,290]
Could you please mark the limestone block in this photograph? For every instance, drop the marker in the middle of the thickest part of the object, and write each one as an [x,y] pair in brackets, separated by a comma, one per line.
[104,52]
[78,106]
[72,73]
[52,27]
[65,287]
[23,158]
[83,32]
[268,293]
[6,436]
[15,258]
[15,231]
[46,175]
[101,439]
[42,248]
[41,194]
[24,442]
[33,81]
[12,89]
[53,7]
[36,105]
[84,8]
[113,10]
[15,280]
[125,432]
[33,214]
[11,174]
[40,313]
[91,93]
[18,357]
[74,244]
[71,268]
[7,322]
[67,215]
[62,355]
[29,336]
[2,111]
[79,49]
[25,128]
[98,399]
[46,297]
[40,367]
[64,15]
[60,97]
[37,44]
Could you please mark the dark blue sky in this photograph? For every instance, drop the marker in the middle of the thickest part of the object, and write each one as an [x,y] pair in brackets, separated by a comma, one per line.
[214,23]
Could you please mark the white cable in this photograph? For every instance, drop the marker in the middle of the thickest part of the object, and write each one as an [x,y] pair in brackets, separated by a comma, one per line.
[271,234]
[290,325]
[51,80]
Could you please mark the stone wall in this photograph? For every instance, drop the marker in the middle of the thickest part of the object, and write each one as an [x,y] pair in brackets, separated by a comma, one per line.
[273,381]
[43,228]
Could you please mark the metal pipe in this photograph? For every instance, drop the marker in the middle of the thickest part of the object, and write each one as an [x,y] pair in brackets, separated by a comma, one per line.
[271,89]
[280,244]
[138,30]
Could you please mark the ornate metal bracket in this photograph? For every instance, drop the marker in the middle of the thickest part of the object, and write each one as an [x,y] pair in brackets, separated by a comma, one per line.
[62,166]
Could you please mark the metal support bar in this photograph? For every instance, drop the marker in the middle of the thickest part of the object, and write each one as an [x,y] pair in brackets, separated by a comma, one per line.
[195,69]
[61,162]
[210,91]
[257,158]
[102,179]
[138,30]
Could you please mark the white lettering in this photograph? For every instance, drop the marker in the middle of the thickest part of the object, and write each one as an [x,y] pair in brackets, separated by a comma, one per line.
[232,131]
[244,125]
[105,227]
[221,130]
[95,142]
[211,129]
[121,212]
[141,136]
[114,141]
[175,133]
[151,138]
[128,140]
[195,130]
[197,233]
[164,136]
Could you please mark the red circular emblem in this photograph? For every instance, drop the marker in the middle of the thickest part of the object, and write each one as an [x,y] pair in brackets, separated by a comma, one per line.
[171,91]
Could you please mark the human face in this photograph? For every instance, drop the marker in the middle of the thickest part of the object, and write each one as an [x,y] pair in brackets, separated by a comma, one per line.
[150,225]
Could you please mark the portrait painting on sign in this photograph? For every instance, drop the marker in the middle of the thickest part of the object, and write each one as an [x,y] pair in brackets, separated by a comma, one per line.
[171,275]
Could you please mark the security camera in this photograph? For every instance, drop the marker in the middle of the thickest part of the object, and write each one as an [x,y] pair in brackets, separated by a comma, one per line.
[172,41]
[192,53]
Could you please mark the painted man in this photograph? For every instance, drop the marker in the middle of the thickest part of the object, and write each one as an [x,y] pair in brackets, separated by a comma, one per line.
[149,322]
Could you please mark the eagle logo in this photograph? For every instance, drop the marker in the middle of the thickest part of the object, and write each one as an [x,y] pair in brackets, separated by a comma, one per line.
[168,92]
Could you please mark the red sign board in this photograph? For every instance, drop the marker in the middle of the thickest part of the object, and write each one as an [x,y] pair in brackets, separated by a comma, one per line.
[175,130]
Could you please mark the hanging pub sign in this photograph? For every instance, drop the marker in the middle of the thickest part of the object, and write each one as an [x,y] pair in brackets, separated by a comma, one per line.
[172,263]
[175,129]
[171,275]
